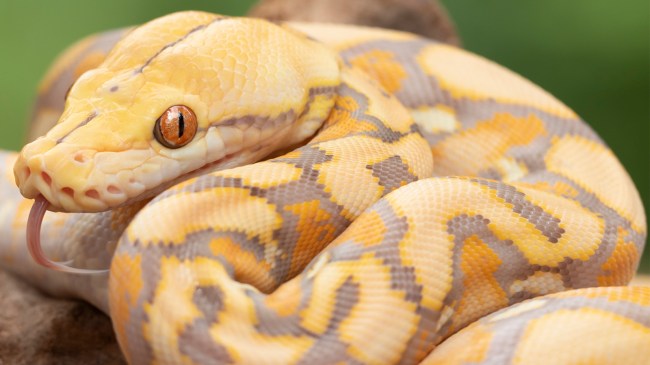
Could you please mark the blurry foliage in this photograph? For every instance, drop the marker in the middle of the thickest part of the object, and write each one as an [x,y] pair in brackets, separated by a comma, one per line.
[592,54]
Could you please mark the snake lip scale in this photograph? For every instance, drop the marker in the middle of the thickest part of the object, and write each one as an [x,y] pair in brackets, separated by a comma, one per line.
[300,193]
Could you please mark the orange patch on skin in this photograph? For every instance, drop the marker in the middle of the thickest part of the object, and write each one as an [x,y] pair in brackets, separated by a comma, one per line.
[392,72]
[347,103]
[122,302]
[485,145]
[249,268]
[314,229]
[364,236]
[620,266]
[341,121]
[479,263]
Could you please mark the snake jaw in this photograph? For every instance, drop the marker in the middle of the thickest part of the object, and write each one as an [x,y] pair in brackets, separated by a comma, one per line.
[34,223]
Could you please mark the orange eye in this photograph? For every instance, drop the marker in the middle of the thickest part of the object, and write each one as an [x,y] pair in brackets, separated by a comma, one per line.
[175,127]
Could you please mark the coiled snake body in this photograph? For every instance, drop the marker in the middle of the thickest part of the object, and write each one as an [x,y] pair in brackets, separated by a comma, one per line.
[437,188]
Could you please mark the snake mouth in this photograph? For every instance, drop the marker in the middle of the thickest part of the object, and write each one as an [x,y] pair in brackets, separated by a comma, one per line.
[34,224]
[74,191]
[100,186]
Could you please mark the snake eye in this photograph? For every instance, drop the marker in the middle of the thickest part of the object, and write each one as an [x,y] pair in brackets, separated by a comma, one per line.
[175,127]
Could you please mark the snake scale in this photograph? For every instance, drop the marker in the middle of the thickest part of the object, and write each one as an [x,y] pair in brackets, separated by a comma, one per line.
[323,194]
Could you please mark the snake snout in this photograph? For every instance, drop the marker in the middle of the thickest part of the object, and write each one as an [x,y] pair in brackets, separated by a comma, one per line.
[37,175]
[30,180]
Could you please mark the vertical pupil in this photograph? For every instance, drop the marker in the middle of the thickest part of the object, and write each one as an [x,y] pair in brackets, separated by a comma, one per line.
[181,124]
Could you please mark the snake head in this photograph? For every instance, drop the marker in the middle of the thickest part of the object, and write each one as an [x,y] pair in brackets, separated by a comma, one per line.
[184,94]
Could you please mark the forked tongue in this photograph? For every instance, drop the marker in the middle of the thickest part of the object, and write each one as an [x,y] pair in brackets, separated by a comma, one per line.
[36,215]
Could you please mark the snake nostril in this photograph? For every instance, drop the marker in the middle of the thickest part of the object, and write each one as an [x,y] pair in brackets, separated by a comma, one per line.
[46,178]
[27,171]
[68,191]
[80,157]
[114,189]
[92,193]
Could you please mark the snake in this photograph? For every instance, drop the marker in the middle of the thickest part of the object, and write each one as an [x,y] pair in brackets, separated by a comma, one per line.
[232,190]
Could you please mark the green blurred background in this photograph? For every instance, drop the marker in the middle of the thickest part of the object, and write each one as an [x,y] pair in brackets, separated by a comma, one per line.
[592,54]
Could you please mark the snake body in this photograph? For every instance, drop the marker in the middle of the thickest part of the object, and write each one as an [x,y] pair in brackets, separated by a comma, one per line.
[437,188]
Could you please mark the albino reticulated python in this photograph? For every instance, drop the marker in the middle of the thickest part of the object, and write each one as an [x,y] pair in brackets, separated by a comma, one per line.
[437,188]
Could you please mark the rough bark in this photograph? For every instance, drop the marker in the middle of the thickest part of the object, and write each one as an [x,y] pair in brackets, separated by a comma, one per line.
[39,330]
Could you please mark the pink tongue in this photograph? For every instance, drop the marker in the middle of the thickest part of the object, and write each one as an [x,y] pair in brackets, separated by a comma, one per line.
[34,221]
